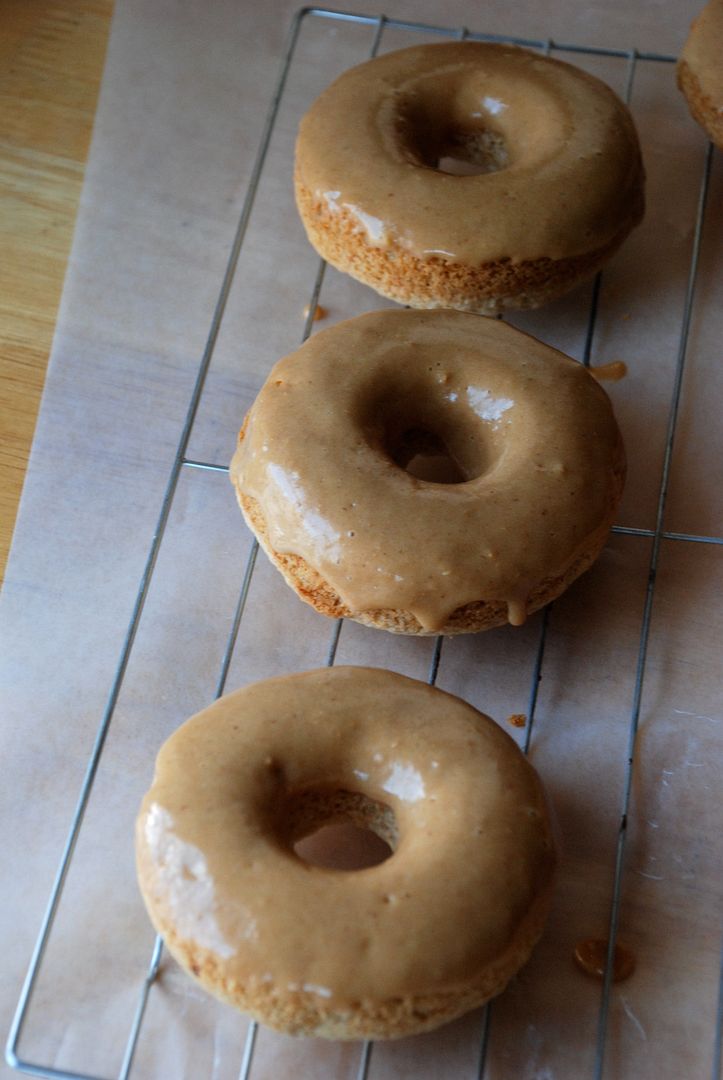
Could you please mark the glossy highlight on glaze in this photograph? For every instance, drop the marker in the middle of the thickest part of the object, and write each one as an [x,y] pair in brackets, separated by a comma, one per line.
[185,879]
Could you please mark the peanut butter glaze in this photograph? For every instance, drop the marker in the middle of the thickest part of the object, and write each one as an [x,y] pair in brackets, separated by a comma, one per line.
[335,443]
[473,851]
[612,372]
[558,153]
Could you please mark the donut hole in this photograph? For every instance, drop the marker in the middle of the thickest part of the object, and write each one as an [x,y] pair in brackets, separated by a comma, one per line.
[470,153]
[424,454]
[459,151]
[440,135]
[343,846]
[426,429]
[339,830]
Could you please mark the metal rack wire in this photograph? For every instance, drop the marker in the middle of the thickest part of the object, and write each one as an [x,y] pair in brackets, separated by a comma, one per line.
[378,25]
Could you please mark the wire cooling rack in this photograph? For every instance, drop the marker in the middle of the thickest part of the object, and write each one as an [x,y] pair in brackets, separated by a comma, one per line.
[377,26]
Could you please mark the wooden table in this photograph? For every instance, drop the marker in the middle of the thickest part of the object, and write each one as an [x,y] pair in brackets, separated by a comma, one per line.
[51,60]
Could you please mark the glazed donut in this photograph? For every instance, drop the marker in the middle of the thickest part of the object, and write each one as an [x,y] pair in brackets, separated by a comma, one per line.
[700,70]
[429,472]
[393,949]
[559,181]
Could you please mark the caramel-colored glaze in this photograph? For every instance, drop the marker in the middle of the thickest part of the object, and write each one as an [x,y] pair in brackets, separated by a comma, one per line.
[562,174]
[320,312]
[332,443]
[703,52]
[612,372]
[591,956]
[473,851]
[518,720]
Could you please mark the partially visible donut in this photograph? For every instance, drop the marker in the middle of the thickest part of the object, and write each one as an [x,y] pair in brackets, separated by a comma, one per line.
[700,70]
[559,184]
[390,950]
[429,472]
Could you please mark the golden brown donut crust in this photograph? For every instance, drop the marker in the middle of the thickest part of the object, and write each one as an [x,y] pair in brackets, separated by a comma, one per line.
[433,282]
[392,950]
[565,190]
[700,71]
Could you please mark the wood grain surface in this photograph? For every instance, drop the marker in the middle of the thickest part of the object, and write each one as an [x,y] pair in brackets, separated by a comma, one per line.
[51,62]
